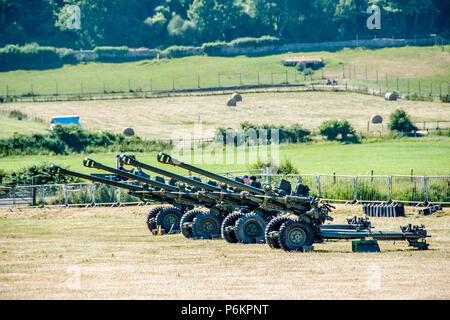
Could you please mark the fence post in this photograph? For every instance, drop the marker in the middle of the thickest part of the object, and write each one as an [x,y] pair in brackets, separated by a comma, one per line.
[287,81]
[66,195]
[377,77]
[390,188]
[198,81]
[218,78]
[318,185]
[425,189]
[258,78]
[355,189]
[240,78]
[93,192]
[13,189]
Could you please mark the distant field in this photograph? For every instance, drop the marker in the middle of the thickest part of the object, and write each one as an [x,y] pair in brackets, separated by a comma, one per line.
[174,117]
[10,125]
[108,253]
[430,64]
[424,156]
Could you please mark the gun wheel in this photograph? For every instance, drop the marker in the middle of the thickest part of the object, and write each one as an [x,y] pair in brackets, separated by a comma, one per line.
[274,225]
[186,222]
[151,223]
[250,228]
[169,219]
[205,225]
[294,235]
[230,220]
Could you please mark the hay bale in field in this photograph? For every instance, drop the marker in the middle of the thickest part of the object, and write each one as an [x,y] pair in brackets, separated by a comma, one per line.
[128,132]
[231,102]
[376,119]
[236,96]
[391,96]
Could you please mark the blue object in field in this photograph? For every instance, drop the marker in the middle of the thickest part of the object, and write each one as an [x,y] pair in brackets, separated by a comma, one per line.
[64,120]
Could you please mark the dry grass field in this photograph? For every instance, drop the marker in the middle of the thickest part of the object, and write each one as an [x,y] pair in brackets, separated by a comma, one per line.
[108,253]
[174,117]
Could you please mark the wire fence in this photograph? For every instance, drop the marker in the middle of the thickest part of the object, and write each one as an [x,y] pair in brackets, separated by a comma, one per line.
[348,77]
[413,190]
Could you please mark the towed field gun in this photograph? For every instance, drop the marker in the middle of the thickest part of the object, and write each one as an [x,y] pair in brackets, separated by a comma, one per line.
[246,213]
[293,220]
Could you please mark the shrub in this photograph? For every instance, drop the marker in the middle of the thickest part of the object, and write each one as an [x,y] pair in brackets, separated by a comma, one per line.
[308,72]
[41,174]
[178,51]
[445,98]
[294,133]
[400,122]
[286,167]
[30,56]
[213,48]
[70,138]
[334,130]
[254,42]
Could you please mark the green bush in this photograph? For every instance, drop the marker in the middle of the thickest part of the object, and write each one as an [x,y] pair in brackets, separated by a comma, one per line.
[334,130]
[30,56]
[70,138]
[254,42]
[41,174]
[308,72]
[286,167]
[213,48]
[178,51]
[445,98]
[292,134]
[400,122]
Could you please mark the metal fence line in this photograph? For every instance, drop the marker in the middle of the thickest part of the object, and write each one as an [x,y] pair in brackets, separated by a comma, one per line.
[415,190]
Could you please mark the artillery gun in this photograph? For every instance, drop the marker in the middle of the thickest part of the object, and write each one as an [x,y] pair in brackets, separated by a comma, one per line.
[174,202]
[290,220]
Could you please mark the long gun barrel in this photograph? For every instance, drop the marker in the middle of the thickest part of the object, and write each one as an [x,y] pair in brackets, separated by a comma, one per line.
[215,193]
[299,205]
[167,159]
[173,192]
[90,163]
[133,162]
[58,170]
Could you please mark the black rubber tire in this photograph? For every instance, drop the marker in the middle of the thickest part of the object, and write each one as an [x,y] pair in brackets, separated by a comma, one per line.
[188,217]
[230,220]
[152,214]
[167,217]
[250,227]
[274,225]
[205,225]
[294,235]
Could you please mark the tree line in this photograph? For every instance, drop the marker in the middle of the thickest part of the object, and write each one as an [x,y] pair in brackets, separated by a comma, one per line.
[163,23]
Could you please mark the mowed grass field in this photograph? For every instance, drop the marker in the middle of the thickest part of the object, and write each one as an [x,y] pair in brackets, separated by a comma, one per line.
[430,64]
[108,253]
[425,156]
[178,117]
[10,125]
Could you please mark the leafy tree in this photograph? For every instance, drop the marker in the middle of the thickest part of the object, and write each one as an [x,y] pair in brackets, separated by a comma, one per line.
[400,122]
[334,130]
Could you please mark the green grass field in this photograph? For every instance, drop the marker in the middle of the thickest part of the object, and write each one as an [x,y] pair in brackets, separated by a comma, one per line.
[10,125]
[426,156]
[425,63]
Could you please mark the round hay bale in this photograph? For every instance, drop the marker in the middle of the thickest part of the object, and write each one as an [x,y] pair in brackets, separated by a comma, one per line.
[128,132]
[231,102]
[236,96]
[391,96]
[376,119]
